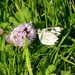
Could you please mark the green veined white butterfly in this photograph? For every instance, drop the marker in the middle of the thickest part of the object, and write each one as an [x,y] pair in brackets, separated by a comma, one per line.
[48,36]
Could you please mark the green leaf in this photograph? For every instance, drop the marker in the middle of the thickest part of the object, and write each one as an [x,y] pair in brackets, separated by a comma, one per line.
[65,73]
[3,68]
[50,69]
[23,15]
[13,20]
[38,73]
[52,74]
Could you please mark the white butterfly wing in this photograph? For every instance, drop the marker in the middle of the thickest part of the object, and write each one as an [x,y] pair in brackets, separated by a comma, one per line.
[46,37]
[56,30]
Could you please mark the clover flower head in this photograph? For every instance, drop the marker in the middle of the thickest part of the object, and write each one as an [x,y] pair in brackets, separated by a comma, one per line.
[20,33]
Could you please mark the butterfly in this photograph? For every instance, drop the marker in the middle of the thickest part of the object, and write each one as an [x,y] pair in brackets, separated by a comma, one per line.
[1,31]
[48,36]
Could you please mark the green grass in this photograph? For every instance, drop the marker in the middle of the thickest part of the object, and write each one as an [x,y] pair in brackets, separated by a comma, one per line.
[38,59]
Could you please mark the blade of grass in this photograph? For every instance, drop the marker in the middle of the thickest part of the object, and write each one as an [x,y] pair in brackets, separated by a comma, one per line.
[68,61]
[28,62]
[56,55]
[45,12]
[27,58]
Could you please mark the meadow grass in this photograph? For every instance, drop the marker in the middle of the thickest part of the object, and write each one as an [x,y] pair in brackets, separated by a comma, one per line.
[38,59]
